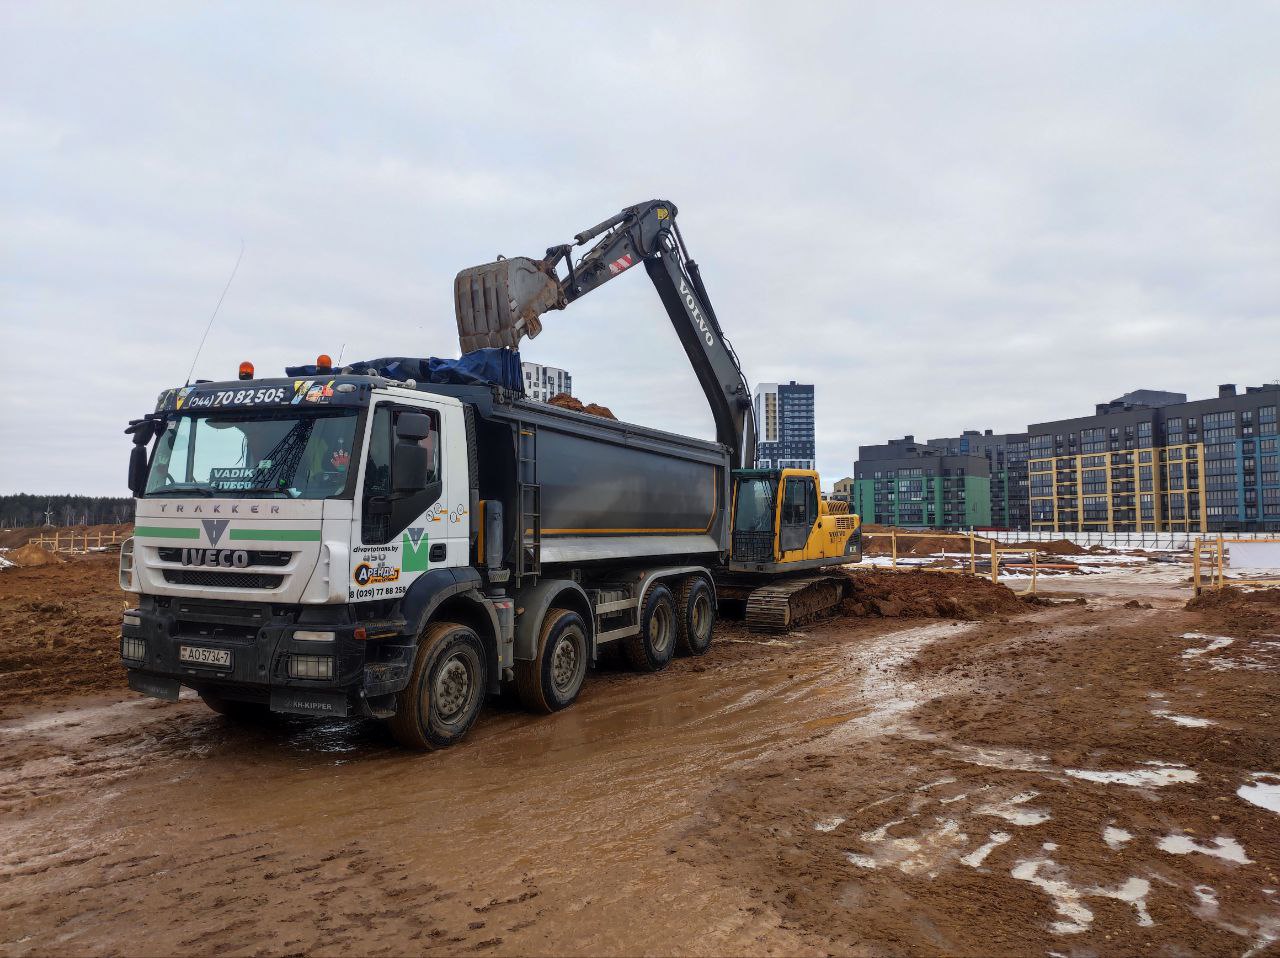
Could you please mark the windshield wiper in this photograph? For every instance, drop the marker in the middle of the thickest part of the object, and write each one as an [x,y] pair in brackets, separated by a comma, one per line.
[181,487]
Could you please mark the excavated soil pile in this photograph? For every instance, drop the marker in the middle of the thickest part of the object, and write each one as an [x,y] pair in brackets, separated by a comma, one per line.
[565,401]
[1058,547]
[30,555]
[927,595]
[61,629]
[1234,610]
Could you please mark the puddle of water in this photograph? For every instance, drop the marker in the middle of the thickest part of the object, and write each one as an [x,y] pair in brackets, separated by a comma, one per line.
[1264,791]
[1115,837]
[1156,777]
[979,854]
[1010,811]
[1228,849]
[1187,721]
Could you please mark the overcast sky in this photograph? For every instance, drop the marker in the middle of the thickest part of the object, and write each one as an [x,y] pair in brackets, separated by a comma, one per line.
[945,216]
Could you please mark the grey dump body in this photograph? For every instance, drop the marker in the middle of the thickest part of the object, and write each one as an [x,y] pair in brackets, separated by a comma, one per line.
[578,488]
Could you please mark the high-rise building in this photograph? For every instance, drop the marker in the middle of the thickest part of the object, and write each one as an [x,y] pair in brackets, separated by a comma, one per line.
[543,382]
[1006,455]
[917,485]
[784,421]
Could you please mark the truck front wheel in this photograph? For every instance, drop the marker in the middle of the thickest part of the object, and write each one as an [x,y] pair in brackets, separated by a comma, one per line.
[651,649]
[553,680]
[446,689]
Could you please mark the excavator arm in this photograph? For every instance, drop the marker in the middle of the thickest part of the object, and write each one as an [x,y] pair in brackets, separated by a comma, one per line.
[499,303]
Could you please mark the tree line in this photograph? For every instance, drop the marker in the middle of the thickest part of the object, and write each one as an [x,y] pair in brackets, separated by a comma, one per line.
[25,509]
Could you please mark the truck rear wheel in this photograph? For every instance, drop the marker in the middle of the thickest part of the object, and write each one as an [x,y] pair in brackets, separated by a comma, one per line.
[652,648]
[554,678]
[446,689]
[696,606]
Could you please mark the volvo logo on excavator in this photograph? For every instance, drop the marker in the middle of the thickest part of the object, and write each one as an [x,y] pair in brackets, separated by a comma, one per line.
[691,304]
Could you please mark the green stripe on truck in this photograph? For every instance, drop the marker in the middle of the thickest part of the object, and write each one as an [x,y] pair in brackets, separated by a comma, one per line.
[166,532]
[278,535]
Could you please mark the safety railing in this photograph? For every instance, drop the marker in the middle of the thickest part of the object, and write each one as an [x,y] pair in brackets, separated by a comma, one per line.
[1212,557]
[78,542]
[977,556]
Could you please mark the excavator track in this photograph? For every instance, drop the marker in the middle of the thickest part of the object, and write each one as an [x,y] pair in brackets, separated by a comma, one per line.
[788,605]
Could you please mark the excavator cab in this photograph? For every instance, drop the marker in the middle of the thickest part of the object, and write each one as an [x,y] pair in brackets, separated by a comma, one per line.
[781,522]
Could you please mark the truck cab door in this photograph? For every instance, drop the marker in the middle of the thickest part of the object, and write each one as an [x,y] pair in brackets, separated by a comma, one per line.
[799,512]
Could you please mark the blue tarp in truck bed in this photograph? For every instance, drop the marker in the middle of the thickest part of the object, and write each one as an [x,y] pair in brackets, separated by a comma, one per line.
[490,366]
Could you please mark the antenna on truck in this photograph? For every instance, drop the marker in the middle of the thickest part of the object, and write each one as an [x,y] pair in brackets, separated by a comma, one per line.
[209,325]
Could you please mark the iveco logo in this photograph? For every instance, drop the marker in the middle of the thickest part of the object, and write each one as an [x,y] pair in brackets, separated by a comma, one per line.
[691,305]
[214,528]
[219,558]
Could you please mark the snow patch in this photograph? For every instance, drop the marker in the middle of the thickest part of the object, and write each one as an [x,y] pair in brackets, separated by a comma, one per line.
[1187,721]
[1228,849]
[1161,774]
[1215,642]
[1068,900]
[1206,901]
[828,825]
[1115,837]
[1010,812]
[1264,791]
[979,854]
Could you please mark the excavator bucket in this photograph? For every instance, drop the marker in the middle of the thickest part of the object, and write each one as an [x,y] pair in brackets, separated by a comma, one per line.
[499,303]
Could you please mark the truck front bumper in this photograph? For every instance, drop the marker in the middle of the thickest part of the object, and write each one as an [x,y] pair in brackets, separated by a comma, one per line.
[252,652]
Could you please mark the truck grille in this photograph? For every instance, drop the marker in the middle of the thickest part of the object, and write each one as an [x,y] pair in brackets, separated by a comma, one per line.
[258,557]
[223,580]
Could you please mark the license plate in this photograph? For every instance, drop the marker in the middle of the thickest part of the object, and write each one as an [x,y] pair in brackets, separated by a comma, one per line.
[198,655]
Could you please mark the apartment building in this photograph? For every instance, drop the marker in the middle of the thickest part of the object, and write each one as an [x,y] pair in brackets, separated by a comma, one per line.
[543,382]
[916,485]
[785,426]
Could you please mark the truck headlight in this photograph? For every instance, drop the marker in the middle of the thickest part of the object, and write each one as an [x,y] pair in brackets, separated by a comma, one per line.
[311,666]
[126,565]
[132,621]
[304,636]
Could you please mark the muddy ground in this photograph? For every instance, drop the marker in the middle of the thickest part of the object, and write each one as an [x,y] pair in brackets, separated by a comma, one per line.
[1005,779]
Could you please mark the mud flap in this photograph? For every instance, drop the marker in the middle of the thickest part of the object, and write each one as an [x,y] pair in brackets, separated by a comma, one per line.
[306,702]
[154,686]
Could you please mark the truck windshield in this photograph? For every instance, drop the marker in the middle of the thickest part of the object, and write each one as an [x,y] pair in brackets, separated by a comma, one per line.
[299,455]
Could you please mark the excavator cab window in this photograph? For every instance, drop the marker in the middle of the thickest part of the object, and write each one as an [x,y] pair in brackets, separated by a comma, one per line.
[799,512]
[754,507]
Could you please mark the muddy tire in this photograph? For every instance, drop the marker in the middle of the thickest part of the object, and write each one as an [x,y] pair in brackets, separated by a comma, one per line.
[446,689]
[236,709]
[651,650]
[696,611]
[553,680]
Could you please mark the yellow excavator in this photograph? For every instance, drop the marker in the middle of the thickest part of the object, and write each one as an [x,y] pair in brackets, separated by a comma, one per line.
[786,538]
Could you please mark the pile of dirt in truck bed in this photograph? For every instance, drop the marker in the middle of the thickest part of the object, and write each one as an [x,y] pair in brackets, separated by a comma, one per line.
[919,594]
[32,555]
[61,629]
[565,401]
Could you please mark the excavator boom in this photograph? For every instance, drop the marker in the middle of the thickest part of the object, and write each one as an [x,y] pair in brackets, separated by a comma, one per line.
[499,303]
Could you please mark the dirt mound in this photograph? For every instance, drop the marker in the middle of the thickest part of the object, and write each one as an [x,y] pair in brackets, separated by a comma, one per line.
[30,555]
[1057,547]
[62,627]
[927,595]
[565,401]
[918,545]
[1233,609]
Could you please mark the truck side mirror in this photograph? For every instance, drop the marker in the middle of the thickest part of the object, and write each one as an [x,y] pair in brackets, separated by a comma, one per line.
[138,470]
[413,426]
[409,464]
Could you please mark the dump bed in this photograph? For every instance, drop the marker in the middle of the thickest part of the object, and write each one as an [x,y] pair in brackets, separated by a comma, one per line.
[590,489]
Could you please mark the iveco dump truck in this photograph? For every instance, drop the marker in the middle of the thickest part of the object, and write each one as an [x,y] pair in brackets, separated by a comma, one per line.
[357,542]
